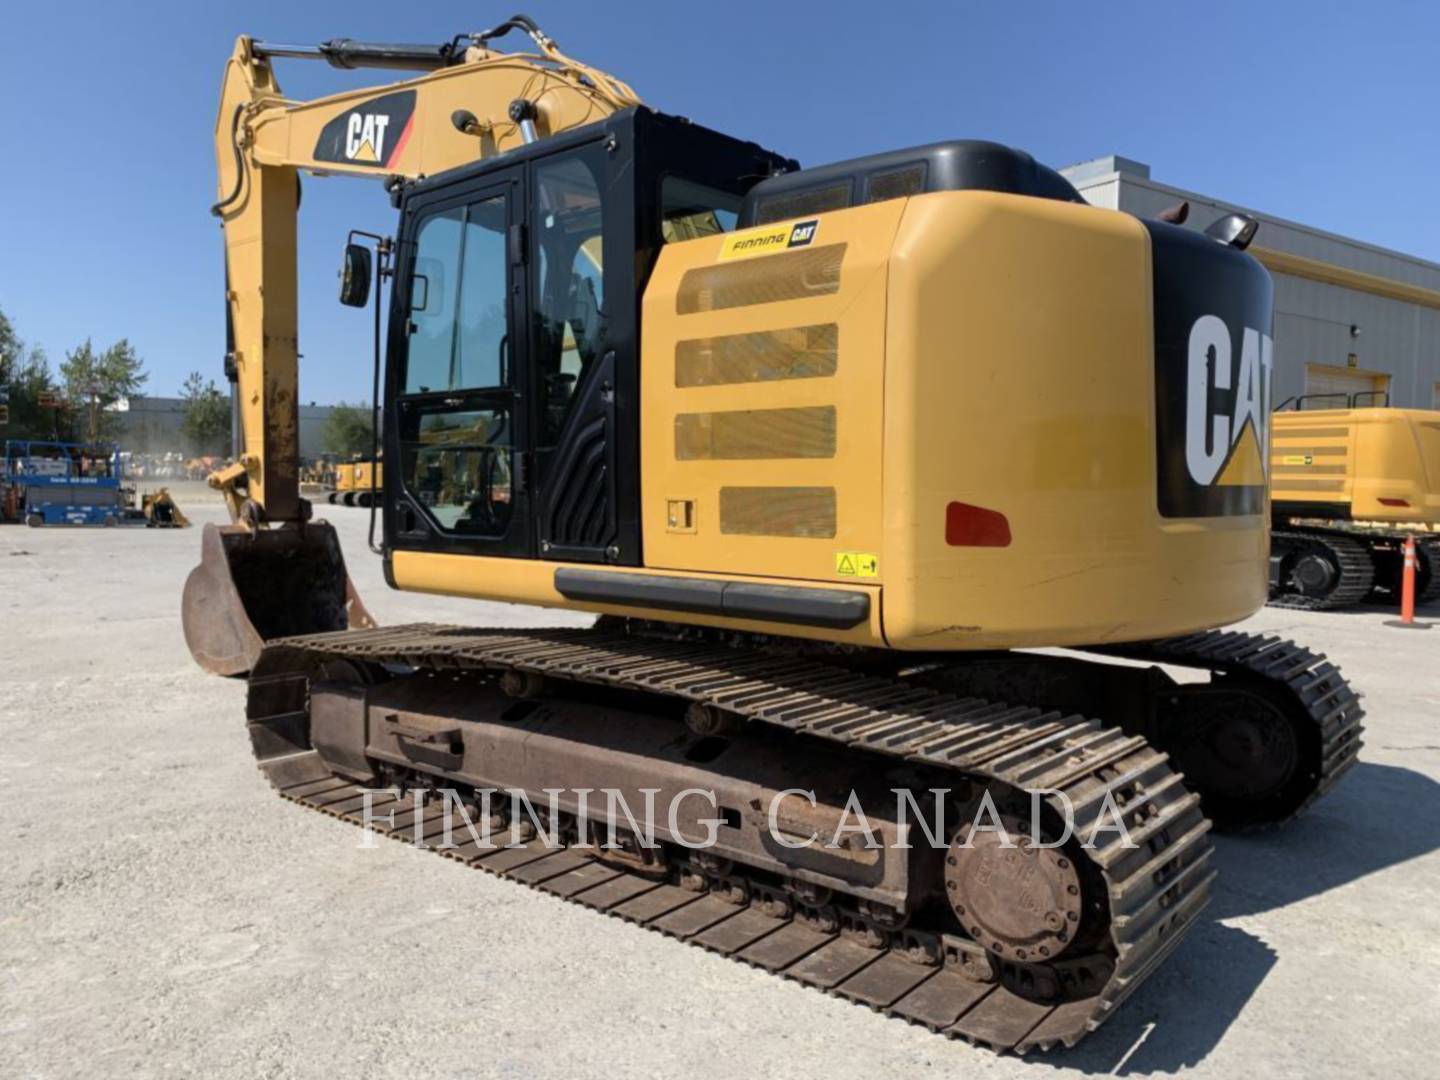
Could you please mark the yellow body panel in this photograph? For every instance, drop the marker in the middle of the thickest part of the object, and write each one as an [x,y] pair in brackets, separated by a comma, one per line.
[359,476]
[345,476]
[1351,459]
[851,467]
[974,347]
[1020,378]
[368,475]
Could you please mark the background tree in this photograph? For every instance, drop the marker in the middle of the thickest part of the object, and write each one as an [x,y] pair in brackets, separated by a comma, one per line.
[347,431]
[96,381]
[206,417]
[25,375]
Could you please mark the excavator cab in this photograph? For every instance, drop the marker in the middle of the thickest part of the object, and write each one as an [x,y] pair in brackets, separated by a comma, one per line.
[512,381]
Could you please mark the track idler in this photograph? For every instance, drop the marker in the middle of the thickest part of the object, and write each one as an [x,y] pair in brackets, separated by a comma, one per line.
[1273,727]
[256,585]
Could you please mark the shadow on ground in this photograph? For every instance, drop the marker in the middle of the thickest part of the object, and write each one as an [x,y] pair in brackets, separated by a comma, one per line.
[1180,1014]
[1377,817]
[1388,608]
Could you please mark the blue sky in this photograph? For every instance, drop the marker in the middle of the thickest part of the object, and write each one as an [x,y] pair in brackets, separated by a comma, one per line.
[1323,113]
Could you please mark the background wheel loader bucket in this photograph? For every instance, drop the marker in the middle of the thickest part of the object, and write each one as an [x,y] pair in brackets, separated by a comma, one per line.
[252,587]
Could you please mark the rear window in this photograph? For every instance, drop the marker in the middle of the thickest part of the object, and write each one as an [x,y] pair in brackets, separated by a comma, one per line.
[689,210]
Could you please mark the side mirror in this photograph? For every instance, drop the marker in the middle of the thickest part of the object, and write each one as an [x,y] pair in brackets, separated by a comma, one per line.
[355,276]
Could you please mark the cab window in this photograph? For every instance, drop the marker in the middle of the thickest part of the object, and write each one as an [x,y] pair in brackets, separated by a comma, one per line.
[458,299]
[689,210]
[570,313]
[455,413]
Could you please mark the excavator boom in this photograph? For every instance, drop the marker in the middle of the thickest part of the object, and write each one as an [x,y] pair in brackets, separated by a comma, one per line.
[469,102]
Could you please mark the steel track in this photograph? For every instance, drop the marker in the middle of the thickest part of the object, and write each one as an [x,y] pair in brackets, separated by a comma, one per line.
[1155,889]
[1357,570]
[1313,689]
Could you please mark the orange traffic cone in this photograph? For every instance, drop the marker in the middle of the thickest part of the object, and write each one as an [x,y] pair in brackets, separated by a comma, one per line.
[1407,591]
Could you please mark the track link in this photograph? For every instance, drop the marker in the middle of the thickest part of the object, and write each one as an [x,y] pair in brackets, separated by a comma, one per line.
[1310,688]
[1155,889]
[1350,557]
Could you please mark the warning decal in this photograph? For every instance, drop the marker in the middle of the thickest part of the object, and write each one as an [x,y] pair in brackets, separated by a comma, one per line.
[857,564]
[1297,459]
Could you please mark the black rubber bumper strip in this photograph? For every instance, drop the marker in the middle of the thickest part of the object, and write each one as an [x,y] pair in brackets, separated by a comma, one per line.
[834,608]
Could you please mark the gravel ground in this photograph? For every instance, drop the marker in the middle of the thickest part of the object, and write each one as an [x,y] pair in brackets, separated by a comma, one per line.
[162,913]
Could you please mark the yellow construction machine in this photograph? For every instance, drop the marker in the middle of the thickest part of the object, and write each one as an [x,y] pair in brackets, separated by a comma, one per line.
[825,450]
[1350,480]
[357,483]
[160,510]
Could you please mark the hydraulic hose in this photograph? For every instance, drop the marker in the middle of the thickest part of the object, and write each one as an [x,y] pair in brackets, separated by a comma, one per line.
[219,208]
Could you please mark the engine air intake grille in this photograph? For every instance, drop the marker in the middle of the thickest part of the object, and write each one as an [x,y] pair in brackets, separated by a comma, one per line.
[897,183]
[803,203]
[766,279]
[752,434]
[797,352]
[778,511]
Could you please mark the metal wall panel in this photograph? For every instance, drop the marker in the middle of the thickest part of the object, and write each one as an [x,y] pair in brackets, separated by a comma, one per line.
[1313,319]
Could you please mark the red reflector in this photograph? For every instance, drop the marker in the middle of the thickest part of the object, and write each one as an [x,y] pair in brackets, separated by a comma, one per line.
[1394,502]
[974,526]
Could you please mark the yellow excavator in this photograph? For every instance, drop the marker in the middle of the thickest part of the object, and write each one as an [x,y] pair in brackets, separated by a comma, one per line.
[1351,478]
[357,483]
[827,450]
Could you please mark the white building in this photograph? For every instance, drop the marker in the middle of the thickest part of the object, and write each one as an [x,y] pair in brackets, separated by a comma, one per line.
[1349,316]
[153,425]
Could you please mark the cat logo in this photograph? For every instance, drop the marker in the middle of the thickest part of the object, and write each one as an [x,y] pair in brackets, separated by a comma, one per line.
[1212,310]
[803,233]
[1227,446]
[371,133]
[365,137]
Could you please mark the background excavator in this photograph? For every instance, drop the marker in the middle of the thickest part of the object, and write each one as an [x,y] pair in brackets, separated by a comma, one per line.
[1351,479]
[357,482]
[824,449]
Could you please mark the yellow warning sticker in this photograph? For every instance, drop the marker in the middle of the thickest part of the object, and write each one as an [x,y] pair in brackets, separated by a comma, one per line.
[1297,459]
[742,245]
[857,564]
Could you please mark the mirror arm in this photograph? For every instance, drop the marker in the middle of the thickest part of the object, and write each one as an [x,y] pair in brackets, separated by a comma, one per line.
[384,249]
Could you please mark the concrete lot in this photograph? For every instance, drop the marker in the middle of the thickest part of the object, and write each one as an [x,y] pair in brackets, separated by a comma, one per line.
[162,913]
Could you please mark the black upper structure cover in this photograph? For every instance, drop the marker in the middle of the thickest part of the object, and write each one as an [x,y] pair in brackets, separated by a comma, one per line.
[954,165]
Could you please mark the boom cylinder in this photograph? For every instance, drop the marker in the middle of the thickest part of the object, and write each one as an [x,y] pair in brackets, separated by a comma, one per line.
[349,54]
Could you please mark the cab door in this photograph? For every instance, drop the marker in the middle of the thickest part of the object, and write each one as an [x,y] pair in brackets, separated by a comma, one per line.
[458,427]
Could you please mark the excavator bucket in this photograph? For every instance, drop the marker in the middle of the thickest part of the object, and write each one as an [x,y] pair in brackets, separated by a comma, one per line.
[251,587]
